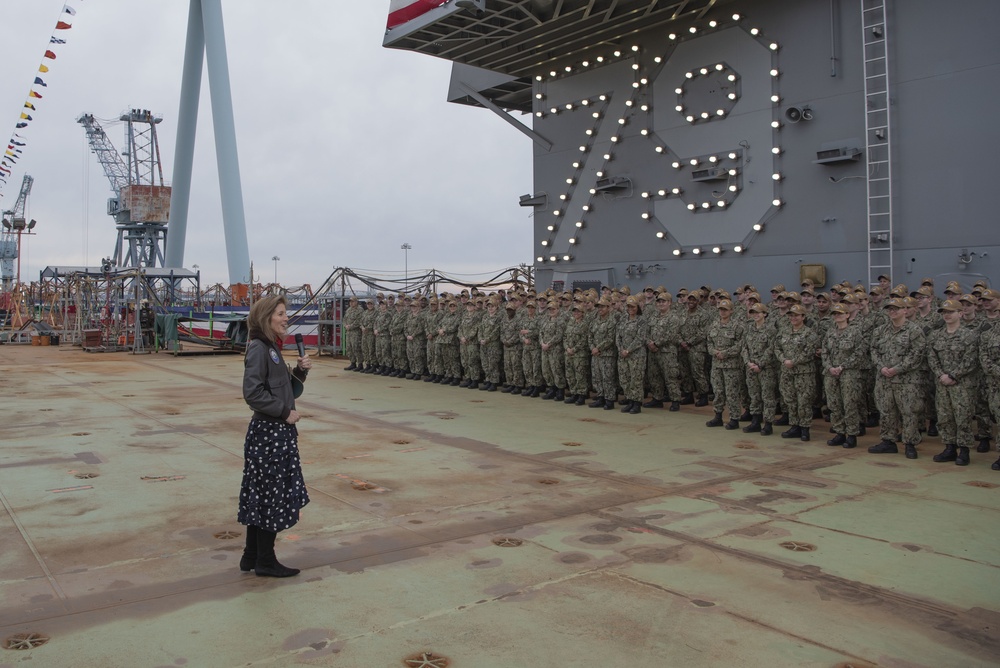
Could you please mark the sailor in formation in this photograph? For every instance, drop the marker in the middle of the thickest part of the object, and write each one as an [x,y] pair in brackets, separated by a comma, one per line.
[905,361]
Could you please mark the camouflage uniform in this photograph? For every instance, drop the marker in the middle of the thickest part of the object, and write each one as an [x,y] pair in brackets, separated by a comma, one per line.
[469,330]
[432,317]
[693,325]
[447,344]
[397,329]
[955,354]
[724,342]
[510,337]
[416,342]
[531,351]
[553,359]
[666,377]
[367,322]
[758,348]
[899,400]
[577,364]
[381,325]
[989,362]
[848,349]
[797,384]
[630,338]
[352,334]
[490,350]
[604,364]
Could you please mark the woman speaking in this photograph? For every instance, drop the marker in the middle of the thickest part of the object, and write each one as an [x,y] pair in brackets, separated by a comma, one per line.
[273,490]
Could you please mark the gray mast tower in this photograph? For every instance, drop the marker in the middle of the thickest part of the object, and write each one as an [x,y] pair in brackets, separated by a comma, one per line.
[206,35]
[141,204]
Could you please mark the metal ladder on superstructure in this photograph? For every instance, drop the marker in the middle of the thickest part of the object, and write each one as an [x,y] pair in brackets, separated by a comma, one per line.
[878,138]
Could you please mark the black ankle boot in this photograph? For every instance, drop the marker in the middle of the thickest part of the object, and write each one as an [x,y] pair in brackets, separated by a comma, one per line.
[949,454]
[963,456]
[732,424]
[715,422]
[702,400]
[754,425]
[627,406]
[267,563]
[766,429]
[794,431]
[803,433]
[249,559]
[839,439]
[984,445]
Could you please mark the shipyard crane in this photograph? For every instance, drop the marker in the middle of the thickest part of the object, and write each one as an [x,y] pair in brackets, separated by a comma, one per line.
[14,225]
[141,202]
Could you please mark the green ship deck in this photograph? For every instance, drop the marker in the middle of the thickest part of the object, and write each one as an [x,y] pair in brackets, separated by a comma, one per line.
[464,528]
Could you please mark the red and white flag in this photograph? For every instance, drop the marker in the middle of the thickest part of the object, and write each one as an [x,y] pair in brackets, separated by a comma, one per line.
[401,11]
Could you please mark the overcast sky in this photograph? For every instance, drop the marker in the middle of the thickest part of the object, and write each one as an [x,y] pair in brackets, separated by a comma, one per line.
[347,149]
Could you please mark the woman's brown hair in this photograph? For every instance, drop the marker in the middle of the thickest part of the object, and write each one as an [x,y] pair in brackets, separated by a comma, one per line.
[259,320]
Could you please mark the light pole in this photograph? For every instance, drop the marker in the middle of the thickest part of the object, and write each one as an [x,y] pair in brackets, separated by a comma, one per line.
[275,258]
[406,265]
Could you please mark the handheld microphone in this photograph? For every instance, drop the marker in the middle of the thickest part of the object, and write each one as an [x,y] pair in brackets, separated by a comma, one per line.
[299,345]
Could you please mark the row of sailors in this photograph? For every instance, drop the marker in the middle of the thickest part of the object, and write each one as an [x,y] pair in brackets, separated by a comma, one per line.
[889,356]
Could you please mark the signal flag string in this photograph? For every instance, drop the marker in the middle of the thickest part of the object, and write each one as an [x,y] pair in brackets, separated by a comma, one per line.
[18,141]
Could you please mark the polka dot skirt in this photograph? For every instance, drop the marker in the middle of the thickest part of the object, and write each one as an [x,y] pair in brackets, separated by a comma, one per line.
[273,490]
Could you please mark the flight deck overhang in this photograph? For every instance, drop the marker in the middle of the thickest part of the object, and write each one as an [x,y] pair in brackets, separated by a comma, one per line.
[520,38]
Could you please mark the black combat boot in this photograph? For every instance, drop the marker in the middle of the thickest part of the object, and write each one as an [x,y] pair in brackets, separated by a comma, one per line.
[911,450]
[551,394]
[535,391]
[687,399]
[473,384]
[560,395]
[932,429]
[597,403]
[465,383]
[581,399]
[732,424]
[716,421]
[963,456]
[795,431]
[984,445]
[766,429]
[571,399]
[609,404]
[350,368]
[782,421]
[884,447]
[675,406]
[653,403]
[627,406]
[851,441]
[636,408]
[804,434]
[839,439]
[702,400]
[949,454]
[754,425]
[746,416]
